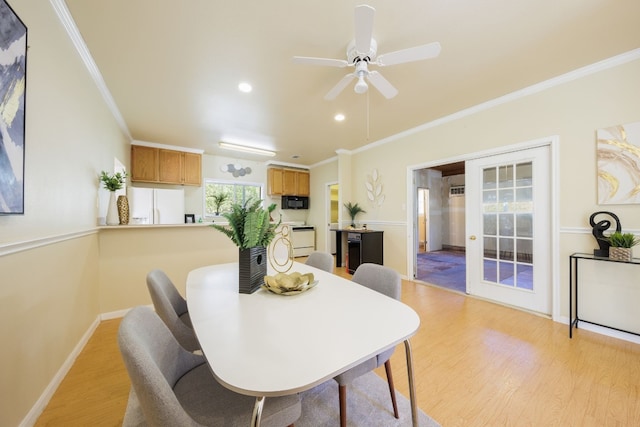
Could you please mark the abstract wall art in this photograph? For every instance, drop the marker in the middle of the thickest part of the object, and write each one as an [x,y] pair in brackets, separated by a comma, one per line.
[13,80]
[618,153]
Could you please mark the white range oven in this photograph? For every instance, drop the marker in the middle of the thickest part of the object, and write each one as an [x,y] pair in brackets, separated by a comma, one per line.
[303,240]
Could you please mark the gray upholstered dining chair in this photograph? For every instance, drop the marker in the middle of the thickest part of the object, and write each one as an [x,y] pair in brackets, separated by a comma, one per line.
[172,309]
[174,387]
[386,281]
[322,260]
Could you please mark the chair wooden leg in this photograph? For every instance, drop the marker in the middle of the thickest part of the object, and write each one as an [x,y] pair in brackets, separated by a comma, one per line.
[392,390]
[342,395]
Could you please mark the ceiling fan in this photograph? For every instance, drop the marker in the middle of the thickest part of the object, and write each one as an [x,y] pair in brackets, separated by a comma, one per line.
[361,53]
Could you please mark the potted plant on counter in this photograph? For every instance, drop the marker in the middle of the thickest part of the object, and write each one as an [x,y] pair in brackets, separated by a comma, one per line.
[621,245]
[113,183]
[251,231]
[353,209]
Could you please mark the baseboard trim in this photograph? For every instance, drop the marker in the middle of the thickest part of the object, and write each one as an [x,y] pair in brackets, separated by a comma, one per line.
[119,313]
[602,331]
[53,385]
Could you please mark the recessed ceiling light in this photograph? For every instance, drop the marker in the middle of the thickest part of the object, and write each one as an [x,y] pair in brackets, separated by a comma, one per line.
[339,117]
[245,87]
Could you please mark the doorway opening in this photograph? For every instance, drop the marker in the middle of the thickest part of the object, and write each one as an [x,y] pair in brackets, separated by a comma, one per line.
[440,254]
[333,215]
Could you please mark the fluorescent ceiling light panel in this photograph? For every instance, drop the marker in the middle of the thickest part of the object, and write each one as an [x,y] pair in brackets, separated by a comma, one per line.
[246,149]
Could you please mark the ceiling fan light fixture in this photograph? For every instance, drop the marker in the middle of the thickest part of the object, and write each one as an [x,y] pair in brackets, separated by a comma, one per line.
[361,87]
[246,149]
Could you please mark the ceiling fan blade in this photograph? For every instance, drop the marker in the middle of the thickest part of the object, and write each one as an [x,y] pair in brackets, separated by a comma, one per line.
[411,54]
[364,28]
[327,62]
[333,93]
[382,84]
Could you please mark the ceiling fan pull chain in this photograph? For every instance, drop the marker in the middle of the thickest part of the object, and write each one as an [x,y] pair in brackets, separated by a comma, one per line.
[367,115]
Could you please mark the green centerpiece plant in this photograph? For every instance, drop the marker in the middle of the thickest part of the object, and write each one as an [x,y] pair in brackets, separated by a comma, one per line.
[353,209]
[251,230]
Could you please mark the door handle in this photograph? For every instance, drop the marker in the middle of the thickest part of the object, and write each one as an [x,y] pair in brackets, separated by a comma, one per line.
[472,237]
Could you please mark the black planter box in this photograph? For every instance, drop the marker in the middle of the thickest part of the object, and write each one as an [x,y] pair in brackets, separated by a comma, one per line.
[252,264]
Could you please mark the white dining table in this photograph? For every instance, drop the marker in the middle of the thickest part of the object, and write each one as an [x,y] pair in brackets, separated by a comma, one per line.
[264,344]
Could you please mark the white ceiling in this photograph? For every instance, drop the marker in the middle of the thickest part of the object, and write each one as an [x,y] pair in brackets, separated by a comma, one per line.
[173,67]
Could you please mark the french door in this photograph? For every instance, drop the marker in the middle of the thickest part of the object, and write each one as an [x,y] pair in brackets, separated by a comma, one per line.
[508,228]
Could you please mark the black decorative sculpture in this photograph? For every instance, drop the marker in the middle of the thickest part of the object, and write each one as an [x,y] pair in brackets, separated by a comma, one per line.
[598,232]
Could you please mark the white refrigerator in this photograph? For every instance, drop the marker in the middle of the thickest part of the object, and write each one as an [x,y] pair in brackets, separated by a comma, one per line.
[155,206]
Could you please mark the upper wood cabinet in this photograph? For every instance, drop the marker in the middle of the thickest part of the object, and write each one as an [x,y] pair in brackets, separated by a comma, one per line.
[144,163]
[275,183]
[287,182]
[192,169]
[150,164]
[303,183]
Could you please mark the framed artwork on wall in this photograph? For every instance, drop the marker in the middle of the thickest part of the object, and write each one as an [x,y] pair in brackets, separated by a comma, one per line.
[618,153]
[13,81]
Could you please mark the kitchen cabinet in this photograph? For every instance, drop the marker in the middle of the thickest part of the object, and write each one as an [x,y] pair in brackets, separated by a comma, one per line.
[159,165]
[144,163]
[275,181]
[288,182]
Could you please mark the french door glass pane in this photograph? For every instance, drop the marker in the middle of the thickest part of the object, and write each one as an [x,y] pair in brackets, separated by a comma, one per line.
[525,250]
[525,276]
[490,247]
[506,198]
[505,176]
[505,272]
[489,178]
[506,249]
[508,224]
[505,225]
[524,174]
[524,225]
[490,271]
[490,222]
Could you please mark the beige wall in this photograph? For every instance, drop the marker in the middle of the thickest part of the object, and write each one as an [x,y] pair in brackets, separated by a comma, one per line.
[321,177]
[49,295]
[573,111]
[127,255]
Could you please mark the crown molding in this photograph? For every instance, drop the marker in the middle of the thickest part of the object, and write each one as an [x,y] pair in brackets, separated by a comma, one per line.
[165,146]
[587,70]
[60,7]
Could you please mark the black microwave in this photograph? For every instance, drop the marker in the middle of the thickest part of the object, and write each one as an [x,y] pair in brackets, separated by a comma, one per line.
[295,202]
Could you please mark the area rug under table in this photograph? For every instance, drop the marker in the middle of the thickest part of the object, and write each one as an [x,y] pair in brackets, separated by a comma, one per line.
[368,405]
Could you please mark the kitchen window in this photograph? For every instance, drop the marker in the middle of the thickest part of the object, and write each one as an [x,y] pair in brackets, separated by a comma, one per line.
[238,193]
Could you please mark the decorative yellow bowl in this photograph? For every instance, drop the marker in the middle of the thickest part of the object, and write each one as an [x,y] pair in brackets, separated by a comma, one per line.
[289,284]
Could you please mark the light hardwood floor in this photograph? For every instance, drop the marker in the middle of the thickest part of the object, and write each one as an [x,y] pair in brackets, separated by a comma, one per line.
[476,364]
